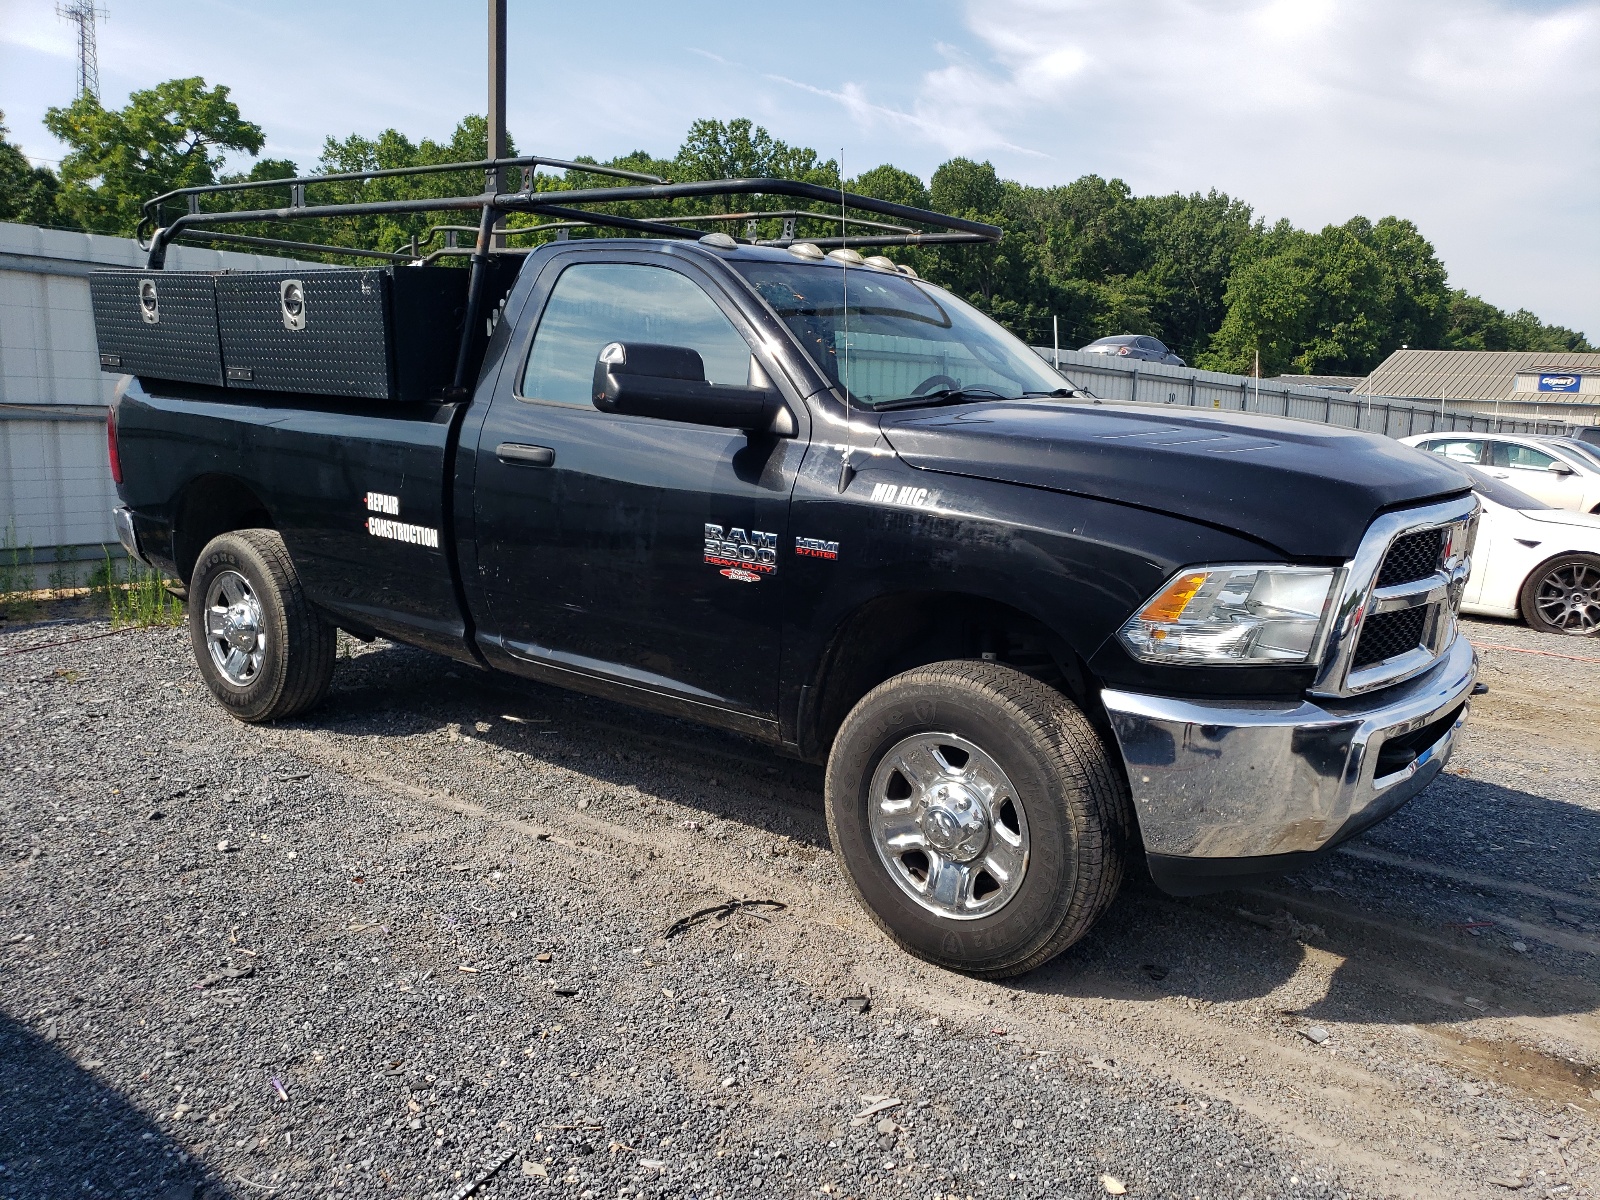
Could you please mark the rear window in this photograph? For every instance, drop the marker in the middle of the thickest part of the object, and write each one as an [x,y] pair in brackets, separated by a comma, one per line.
[1457,450]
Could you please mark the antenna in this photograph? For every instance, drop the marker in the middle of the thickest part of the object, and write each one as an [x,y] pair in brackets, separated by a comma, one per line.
[847,470]
[84,14]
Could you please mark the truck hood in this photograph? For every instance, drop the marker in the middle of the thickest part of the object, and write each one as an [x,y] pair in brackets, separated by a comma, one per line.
[1309,490]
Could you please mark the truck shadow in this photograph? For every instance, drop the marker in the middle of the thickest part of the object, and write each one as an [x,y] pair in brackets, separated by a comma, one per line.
[66,1132]
[1412,923]
[1419,921]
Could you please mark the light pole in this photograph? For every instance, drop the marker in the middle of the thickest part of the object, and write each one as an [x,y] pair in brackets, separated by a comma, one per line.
[497,104]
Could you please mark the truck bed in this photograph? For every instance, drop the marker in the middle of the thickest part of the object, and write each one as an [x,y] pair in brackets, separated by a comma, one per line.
[310,466]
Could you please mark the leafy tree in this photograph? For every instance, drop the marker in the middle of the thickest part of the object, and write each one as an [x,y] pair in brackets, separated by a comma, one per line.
[1335,302]
[1199,271]
[740,149]
[1475,324]
[170,136]
[27,193]
[890,183]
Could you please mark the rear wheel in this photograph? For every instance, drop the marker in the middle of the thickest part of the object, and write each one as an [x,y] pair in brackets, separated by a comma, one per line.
[1563,596]
[978,816]
[263,649]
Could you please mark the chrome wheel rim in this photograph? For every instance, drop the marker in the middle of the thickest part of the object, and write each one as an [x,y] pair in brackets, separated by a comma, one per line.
[1568,597]
[236,634]
[948,826]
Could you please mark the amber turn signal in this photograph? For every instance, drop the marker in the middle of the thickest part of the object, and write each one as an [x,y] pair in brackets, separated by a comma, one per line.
[1170,602]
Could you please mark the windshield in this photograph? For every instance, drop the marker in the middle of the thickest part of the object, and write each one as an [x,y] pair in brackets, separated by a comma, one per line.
[1585,453]
[897,338]
[1501,493]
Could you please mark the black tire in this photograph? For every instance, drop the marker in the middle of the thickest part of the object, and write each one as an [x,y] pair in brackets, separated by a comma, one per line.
[287,671]
[1563,596]
[1077,812]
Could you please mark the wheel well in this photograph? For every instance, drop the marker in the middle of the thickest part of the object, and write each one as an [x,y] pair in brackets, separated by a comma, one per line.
[892,634]
[212,505]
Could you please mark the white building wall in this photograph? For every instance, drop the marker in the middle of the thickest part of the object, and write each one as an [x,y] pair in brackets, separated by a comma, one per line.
[55,484]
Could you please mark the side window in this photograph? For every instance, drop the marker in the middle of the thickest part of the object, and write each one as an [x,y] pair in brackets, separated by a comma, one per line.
[1509,454]
[1457,451]
[593,304]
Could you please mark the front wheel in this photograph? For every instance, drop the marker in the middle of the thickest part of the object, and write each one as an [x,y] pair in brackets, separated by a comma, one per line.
[978,816]
[263,649]
[1563,596]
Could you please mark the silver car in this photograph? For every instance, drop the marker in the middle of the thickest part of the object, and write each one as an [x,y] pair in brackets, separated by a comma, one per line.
[1560,476]
[1135,345]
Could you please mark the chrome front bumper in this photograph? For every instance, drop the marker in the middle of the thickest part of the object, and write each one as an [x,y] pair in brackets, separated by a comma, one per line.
[1215,782]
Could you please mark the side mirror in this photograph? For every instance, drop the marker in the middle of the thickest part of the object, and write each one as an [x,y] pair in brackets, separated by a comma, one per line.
[1560,468]
[642,379]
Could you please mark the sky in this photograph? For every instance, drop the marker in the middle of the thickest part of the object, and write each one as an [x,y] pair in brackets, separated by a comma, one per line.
[1477,119]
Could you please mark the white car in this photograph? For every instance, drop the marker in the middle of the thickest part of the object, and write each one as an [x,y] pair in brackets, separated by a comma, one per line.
[1533,561]
[1543,468]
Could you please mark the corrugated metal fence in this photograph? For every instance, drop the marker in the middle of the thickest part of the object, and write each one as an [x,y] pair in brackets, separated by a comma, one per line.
[56,493]
[1112,378]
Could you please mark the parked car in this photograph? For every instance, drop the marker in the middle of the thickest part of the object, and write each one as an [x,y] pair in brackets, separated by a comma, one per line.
[1135,345]
[1588,434]
[1034,639]
[1588,450]
[1558,475]
[1533,561]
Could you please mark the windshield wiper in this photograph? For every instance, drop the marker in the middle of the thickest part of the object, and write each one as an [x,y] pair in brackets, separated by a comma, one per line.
[943,395]
[1055,392]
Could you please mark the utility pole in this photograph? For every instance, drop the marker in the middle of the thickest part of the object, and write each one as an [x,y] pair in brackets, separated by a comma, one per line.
[497,103]
[84,14]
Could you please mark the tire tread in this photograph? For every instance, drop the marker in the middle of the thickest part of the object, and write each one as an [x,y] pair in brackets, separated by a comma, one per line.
[1102,830]
[309,643]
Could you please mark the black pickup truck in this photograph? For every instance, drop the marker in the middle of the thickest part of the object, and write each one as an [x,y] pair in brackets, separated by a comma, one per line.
[814,499]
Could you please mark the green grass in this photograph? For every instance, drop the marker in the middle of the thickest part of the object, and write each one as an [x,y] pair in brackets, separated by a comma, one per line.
[16,575]
[134,594]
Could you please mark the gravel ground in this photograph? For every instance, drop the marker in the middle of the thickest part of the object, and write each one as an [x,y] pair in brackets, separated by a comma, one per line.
[422,934]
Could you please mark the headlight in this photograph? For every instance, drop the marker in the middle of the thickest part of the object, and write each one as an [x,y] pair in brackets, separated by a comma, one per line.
[1223,615]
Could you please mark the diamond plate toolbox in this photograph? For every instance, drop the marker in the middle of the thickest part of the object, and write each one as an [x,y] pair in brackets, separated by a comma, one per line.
[157,324]
[376,334]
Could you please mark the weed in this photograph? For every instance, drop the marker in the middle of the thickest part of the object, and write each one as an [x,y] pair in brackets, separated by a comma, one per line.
[135,595]
[16,574]
[64,574]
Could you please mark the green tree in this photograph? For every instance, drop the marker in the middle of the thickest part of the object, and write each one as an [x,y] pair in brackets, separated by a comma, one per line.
[1335,302]
[890,183]
[740,149]
[173,135]
[27,193]
[1475,324]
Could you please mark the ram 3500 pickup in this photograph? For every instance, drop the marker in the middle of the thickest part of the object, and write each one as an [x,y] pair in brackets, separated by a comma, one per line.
[819,501]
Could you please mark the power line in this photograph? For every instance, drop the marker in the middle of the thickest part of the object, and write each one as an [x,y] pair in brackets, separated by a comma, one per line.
[84,14]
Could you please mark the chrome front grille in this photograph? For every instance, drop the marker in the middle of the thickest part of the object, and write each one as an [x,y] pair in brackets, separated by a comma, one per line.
[1387,635]
[1398,598]
[1411,557]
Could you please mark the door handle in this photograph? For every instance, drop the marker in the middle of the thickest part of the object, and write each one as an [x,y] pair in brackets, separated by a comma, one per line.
[518,454]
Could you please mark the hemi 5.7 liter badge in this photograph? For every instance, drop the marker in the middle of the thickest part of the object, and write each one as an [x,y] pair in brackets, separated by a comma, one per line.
[815,548]
[741,553]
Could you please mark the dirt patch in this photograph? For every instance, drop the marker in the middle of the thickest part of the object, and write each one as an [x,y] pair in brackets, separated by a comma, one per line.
[1526,1069]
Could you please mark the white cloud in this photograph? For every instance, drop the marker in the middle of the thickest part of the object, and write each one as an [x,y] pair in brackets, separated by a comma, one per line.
[1478,119]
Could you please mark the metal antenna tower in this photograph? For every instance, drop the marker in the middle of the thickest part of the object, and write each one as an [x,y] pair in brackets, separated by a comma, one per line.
[84,14]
